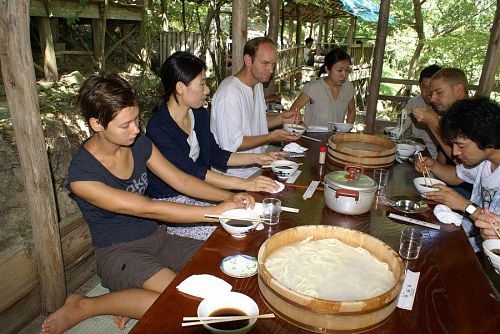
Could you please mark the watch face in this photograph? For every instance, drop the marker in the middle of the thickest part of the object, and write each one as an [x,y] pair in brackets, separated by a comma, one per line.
[470,209]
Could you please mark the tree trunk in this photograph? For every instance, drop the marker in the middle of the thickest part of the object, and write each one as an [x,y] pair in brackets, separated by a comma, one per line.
[298,27]
[184,16]
[222,50]
[164,15]
[20,87]
[319,38]
[274,20]
[492,59]
[282,26]
[239,27]
[378,60]
[419,28]
[327,30]
[47,45]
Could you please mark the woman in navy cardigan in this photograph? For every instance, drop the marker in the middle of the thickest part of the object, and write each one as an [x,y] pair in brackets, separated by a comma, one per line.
[180,128]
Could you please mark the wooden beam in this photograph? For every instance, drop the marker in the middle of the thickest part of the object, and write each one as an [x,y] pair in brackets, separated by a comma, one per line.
[239,37]
[319,37]
[15,318]
[492,59]
[90,10]
[22,96]
[378,60]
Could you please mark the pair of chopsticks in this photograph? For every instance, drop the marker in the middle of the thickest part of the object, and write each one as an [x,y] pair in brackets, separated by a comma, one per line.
[250,219]
[426,171]
[310,138]
[193,321]
[269,166]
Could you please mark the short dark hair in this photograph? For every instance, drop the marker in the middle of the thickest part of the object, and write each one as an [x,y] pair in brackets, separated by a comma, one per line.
[334,56]
[309,40]
[252,46]
[477,119]
[428,72]
[103,96]
[181,66]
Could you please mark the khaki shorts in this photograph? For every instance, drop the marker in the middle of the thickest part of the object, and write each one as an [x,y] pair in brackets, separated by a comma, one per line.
[129,264]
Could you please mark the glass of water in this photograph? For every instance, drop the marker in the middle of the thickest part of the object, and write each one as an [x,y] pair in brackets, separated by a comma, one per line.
[271,209]
[410,243]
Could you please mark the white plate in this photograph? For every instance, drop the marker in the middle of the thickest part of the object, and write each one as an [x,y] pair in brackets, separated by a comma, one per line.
[316,128]
[239,266]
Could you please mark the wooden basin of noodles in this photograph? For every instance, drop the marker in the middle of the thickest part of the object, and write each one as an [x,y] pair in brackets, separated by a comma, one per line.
[322,315]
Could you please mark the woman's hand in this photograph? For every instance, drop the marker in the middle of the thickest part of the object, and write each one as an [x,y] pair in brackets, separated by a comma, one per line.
[245,199]
[447,196]
[266,158]
[486,221]
[427,162]
[261,183]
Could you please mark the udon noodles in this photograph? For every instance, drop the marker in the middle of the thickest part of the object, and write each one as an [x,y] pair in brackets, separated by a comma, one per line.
[329,269]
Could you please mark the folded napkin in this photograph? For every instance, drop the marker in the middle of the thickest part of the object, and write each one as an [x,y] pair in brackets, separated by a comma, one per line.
[446,216]
[294,148]
[203,286]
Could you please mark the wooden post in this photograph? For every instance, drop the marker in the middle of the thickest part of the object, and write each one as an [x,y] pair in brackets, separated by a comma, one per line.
[327,30]
[492,59]
[298,35]
[350,30]
[20,87]
[378,60]
[47,45]
[239,26]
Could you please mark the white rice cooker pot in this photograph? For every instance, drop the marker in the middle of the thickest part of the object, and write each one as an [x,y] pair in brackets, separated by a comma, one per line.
[349,191]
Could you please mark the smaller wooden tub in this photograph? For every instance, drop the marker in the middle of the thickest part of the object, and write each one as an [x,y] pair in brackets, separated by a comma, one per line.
[326,316]
[370,151]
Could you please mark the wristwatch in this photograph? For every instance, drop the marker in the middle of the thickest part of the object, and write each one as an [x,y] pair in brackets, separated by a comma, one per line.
[470,209]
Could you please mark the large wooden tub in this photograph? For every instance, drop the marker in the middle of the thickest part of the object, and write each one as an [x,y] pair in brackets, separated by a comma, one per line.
[326,316]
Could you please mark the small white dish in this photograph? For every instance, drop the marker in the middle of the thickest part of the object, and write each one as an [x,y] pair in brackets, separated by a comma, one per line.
[239,266]
[419,183]
[235,226]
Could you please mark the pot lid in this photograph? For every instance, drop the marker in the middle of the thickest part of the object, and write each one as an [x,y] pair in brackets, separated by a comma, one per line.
[350,180]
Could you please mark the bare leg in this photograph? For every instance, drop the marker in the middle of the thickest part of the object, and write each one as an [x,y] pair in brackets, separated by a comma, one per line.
[130,303]
[157,283]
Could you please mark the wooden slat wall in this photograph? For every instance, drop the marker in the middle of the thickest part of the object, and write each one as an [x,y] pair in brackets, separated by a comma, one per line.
[19,295]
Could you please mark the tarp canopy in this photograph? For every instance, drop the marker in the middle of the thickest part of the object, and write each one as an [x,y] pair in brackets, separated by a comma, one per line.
[364,9]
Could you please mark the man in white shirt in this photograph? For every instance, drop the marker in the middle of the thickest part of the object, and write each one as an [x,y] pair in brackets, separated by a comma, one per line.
[419,130]
[238,119]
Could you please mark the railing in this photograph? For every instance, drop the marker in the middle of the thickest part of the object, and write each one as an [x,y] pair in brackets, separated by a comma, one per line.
[289,60]
[173,41]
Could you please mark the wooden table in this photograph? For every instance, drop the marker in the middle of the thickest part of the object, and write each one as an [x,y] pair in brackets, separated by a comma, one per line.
[453,295]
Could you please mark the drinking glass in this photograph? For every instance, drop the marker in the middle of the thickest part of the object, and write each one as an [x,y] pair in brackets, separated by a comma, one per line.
[271,209]
[410,243]
[381,177]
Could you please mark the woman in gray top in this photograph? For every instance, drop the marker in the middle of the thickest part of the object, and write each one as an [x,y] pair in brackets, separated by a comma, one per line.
[330,98]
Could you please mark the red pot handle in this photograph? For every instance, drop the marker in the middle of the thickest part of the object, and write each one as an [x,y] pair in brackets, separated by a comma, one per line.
[347,193]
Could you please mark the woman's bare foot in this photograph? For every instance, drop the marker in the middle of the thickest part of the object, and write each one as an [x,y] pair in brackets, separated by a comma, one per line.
[120,321]
[66,317]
